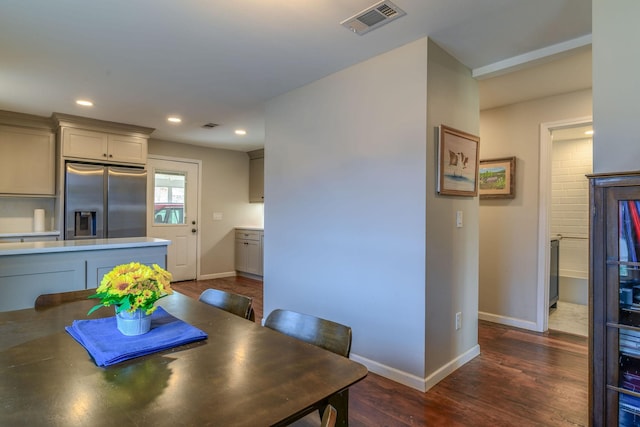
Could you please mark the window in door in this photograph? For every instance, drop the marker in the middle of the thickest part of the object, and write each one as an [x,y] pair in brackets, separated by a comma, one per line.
[169,191]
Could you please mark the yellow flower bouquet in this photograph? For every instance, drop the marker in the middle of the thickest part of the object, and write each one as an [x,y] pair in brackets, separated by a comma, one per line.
[133,286]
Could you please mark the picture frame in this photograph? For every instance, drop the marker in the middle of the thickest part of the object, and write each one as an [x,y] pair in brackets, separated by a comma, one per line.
[497,178]
[457,162]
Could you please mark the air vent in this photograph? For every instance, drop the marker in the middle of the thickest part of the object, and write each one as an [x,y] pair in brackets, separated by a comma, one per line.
[210,125]
[373,17]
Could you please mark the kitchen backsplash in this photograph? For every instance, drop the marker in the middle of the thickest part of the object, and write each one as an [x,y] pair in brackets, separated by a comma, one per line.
[16,213]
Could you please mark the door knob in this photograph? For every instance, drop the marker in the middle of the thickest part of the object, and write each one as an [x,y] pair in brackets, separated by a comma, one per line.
[193,230]
[193,222]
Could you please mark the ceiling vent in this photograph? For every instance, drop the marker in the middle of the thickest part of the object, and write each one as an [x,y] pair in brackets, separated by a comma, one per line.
[210,125]
[373,17]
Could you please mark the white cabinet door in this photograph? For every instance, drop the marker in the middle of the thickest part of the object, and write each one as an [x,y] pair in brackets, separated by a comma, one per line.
[102,262]
[105,147]
[240,256]
[24,277]
[248,252]
[84,144]
[256,180]
[128,149]
[254,257]
[27,161]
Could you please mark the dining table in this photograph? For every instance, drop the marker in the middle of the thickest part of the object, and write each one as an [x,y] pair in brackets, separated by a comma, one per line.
[242,374]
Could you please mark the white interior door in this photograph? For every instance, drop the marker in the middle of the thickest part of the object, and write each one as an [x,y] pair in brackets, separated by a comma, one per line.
[172,209]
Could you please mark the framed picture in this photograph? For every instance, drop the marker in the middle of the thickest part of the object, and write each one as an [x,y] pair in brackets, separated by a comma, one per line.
[497,178]
[457,162]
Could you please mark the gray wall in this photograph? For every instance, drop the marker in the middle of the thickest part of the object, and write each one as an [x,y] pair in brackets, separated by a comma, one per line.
[349,180]
[345,184]
[509,227]
[451,253]
[616,87]
[224,188]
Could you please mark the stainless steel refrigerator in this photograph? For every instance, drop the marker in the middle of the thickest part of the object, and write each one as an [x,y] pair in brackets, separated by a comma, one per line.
[104,201]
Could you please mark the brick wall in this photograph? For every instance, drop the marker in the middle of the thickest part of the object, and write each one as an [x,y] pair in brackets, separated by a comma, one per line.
[572,160]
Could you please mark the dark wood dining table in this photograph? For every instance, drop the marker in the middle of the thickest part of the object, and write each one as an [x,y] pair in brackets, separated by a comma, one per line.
[243,374]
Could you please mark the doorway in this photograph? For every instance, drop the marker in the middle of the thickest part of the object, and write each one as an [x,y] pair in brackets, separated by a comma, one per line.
[566,157]
[173,212]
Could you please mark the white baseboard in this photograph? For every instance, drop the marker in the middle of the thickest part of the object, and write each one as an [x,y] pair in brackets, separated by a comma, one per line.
[393,374]
[217,275]
[249,275]
[450,367]
[413,381]
[508,321]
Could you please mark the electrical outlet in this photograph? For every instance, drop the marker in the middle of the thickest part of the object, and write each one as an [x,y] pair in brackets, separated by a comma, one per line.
[458,320]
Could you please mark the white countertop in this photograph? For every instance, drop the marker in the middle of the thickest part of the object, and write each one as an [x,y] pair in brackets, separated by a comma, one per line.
[251,228]
[26,248]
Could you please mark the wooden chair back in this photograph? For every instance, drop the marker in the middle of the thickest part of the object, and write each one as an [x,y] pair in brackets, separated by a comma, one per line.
[323,333]
[239,305]
[329,417]
[45,301]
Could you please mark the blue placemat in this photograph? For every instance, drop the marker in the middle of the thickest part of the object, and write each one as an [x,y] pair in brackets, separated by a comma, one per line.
[108,346]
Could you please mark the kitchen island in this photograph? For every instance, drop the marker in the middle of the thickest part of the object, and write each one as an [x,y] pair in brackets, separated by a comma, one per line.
[30,269]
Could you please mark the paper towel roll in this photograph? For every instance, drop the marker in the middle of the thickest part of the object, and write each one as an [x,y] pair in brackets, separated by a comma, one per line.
[38,220]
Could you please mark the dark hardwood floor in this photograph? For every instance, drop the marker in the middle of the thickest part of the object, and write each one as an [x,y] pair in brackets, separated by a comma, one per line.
[520,378]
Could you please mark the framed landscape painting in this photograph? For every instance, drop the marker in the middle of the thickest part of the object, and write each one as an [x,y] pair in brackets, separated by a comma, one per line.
[497,178]
[457,162]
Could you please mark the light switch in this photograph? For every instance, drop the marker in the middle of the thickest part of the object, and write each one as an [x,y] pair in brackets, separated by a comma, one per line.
[217,216]
[459,219]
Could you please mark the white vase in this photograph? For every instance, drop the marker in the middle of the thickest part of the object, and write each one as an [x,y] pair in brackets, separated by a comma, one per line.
[136,323]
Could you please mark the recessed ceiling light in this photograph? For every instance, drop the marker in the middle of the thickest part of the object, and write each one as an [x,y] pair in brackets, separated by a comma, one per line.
[241,132]
[84,102]
[589,132]
[174,119]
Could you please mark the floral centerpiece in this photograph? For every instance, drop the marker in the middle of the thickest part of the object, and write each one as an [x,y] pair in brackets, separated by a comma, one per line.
[133,286]
[133,290]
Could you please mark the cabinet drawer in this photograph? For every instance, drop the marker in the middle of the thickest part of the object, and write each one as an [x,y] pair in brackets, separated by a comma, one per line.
[39,239]
[9,239]
[248,234]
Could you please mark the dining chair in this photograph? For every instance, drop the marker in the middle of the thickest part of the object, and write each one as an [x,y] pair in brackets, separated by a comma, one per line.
[329,417]
[329,335]
[45,301]
[239,305]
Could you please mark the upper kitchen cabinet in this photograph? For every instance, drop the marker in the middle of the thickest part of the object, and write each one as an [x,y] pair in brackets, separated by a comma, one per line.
[106,142]
[256,176]
[27,155]
[86,144]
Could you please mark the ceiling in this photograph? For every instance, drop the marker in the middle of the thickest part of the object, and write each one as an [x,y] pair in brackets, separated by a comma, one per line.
[219,62]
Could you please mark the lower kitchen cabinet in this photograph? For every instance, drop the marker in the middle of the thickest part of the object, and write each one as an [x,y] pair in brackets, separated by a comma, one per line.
[98,266]
[59,268]
[24,277]
[248,252]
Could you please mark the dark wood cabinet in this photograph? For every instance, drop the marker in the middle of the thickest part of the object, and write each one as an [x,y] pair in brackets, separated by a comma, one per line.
[614,300]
